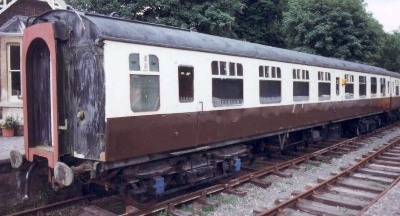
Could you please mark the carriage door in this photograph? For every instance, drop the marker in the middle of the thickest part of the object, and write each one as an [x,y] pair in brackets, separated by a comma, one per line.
[187,123]
[40,93]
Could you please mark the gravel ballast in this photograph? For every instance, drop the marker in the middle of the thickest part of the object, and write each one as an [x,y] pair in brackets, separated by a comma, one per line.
[281,188]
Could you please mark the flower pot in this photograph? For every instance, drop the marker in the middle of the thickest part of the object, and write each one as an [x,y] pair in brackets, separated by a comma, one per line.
[7,132]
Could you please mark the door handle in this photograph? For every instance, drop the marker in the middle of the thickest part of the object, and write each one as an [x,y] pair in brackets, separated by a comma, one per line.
[201,112]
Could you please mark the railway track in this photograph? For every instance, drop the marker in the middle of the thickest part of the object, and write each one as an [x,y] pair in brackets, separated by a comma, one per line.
[257,177]
[251,175]
[365,182]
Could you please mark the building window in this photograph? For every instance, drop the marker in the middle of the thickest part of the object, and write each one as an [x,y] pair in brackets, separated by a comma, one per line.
[324,86]
[14,69]
[186,90]
[144,85]
[227,87]
[270,84]
[397,87]
[349,87]
[301,85]
[363,86]
[383,87]
[373,86]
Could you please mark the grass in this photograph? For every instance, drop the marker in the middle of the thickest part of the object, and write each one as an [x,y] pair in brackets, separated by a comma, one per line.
[308,166]
[376,185]
[289,182]
[186,208]
[230,199]
[276,185]
[163,213]
[207,210]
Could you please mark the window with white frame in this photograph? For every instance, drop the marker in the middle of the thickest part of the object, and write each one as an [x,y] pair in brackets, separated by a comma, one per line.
[301,85]
[144,82]
[270,84]
[14,69]
[362,86]
[397,87]
[373,86]
[349,87]
[227,83]
[186,85]
[383,87]
[324,85]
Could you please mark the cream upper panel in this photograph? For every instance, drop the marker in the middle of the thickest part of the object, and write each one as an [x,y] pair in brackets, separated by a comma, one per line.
[117,78]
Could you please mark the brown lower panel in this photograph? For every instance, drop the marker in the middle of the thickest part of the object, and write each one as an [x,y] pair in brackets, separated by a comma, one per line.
[142,135]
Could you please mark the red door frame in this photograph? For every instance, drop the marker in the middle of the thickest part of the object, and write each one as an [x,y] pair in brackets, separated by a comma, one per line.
[44,31]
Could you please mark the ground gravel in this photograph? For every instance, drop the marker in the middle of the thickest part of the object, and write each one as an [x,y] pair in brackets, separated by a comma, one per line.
[7,144]
[281,188]
[386,205]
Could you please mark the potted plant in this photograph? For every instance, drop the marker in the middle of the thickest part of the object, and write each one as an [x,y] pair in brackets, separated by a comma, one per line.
[8,126]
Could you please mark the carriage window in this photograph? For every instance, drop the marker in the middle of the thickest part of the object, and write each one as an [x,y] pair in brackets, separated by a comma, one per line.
[186,90]
[349,87]
[383,87]
[324,86]
[363,86]
[227,90]
[134,63]
[270,84]
[337,86]
[232,69]
[373,86]
[153,63]
[222,68]
[239,70]
[144,93]
[301,85]
[214,68]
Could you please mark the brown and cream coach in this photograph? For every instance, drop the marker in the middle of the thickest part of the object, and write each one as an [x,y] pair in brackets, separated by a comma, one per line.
[149,109]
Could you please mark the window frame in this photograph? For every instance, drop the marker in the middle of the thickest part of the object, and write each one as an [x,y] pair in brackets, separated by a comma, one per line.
[145,71]
[300,76]
[372,85]
[324,78]
[262,78]
[229,76]
[349,81]
[11,71]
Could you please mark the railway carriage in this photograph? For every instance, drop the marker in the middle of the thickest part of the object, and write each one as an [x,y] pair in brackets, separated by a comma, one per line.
[148,109]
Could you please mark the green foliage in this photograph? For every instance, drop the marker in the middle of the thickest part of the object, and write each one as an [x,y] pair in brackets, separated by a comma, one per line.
[230,199]
[261,22]
[390,58]
[10,122]
[212,17]
[334,28]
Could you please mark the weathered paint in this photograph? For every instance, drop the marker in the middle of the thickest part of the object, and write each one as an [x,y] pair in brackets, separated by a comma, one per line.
[140,135]
[43,33]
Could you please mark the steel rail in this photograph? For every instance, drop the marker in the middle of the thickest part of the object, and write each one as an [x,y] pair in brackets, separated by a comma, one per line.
[53,206]
[275,210]
[379,196]
[248,177]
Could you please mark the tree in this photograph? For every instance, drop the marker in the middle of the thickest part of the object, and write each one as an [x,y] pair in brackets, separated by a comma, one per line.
[215,17]
[334,28]
[390,58]
[261,22]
